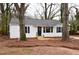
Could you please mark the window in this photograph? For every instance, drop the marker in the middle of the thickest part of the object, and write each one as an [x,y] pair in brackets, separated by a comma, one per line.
[44,29]
[59,29]
[51,29]
[47,29]
[27,29]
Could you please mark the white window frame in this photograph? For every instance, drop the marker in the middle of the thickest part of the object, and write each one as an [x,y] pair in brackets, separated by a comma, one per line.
[44,30]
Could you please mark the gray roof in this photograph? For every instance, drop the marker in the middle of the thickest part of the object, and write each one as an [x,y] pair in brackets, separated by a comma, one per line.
[36,22]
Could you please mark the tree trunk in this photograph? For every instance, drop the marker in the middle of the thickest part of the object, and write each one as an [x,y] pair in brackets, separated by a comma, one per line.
[3,21]
[3,24]
[21,11]
[5,16]
[22,27]
[45,11]
[64,18]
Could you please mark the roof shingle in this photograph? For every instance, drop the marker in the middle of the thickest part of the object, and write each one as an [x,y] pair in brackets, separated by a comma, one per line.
[35,22]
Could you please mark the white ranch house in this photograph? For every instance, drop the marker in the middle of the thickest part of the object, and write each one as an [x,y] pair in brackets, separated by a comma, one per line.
[36,27]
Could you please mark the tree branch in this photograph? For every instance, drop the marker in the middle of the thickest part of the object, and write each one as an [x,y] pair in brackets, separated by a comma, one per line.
[17,6]
[50,11]
[55,13]
[2,7]
[26,7]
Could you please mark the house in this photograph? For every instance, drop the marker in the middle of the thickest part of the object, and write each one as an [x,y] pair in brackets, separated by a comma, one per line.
[36,27]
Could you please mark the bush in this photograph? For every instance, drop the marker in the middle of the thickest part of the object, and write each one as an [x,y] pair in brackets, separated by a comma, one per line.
[73,32]
[23,37]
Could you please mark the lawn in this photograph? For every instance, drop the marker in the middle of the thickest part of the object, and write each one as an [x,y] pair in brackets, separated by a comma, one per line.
[53,46]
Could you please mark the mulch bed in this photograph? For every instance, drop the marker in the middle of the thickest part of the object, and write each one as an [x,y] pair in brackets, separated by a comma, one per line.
[6,42]
[73,44]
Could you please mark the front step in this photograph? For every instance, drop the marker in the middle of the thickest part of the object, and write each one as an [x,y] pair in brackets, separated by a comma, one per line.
[42,38]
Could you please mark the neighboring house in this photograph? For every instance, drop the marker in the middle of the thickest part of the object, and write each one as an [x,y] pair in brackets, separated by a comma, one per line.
[36,27]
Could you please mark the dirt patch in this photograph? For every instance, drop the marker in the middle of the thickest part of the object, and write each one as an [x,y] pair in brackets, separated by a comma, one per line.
[41,50]
[35,43]
[34,46]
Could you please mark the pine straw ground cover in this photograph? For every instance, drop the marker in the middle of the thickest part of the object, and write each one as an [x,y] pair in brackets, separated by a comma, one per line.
[34,46]
[72,44]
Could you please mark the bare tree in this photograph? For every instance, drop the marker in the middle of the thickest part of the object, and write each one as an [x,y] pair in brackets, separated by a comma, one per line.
[5,9]
[49,11]
[74,22]
[45,11]
[2,17]
[64,18]
[21,11]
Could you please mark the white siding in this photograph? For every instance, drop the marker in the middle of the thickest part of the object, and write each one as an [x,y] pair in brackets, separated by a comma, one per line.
[54,33]
[33,32]
[14,31]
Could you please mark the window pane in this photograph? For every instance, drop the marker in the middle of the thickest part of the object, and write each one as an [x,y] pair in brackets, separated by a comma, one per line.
[59,29]
[25,29]
[48,29]
[28,29]
[44,29]
[51,29]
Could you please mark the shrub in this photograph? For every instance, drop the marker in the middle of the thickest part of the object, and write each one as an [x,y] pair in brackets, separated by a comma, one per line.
[72,32]
[23,37]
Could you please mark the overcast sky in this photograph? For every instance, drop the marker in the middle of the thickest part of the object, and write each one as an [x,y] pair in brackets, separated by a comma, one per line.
[32,9]
[33,6]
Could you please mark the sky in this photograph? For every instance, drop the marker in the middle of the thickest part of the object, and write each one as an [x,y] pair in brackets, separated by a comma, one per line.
[32,9]
[33,6]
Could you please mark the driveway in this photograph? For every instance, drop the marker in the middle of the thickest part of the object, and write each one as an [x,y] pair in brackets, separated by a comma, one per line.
[74,37]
